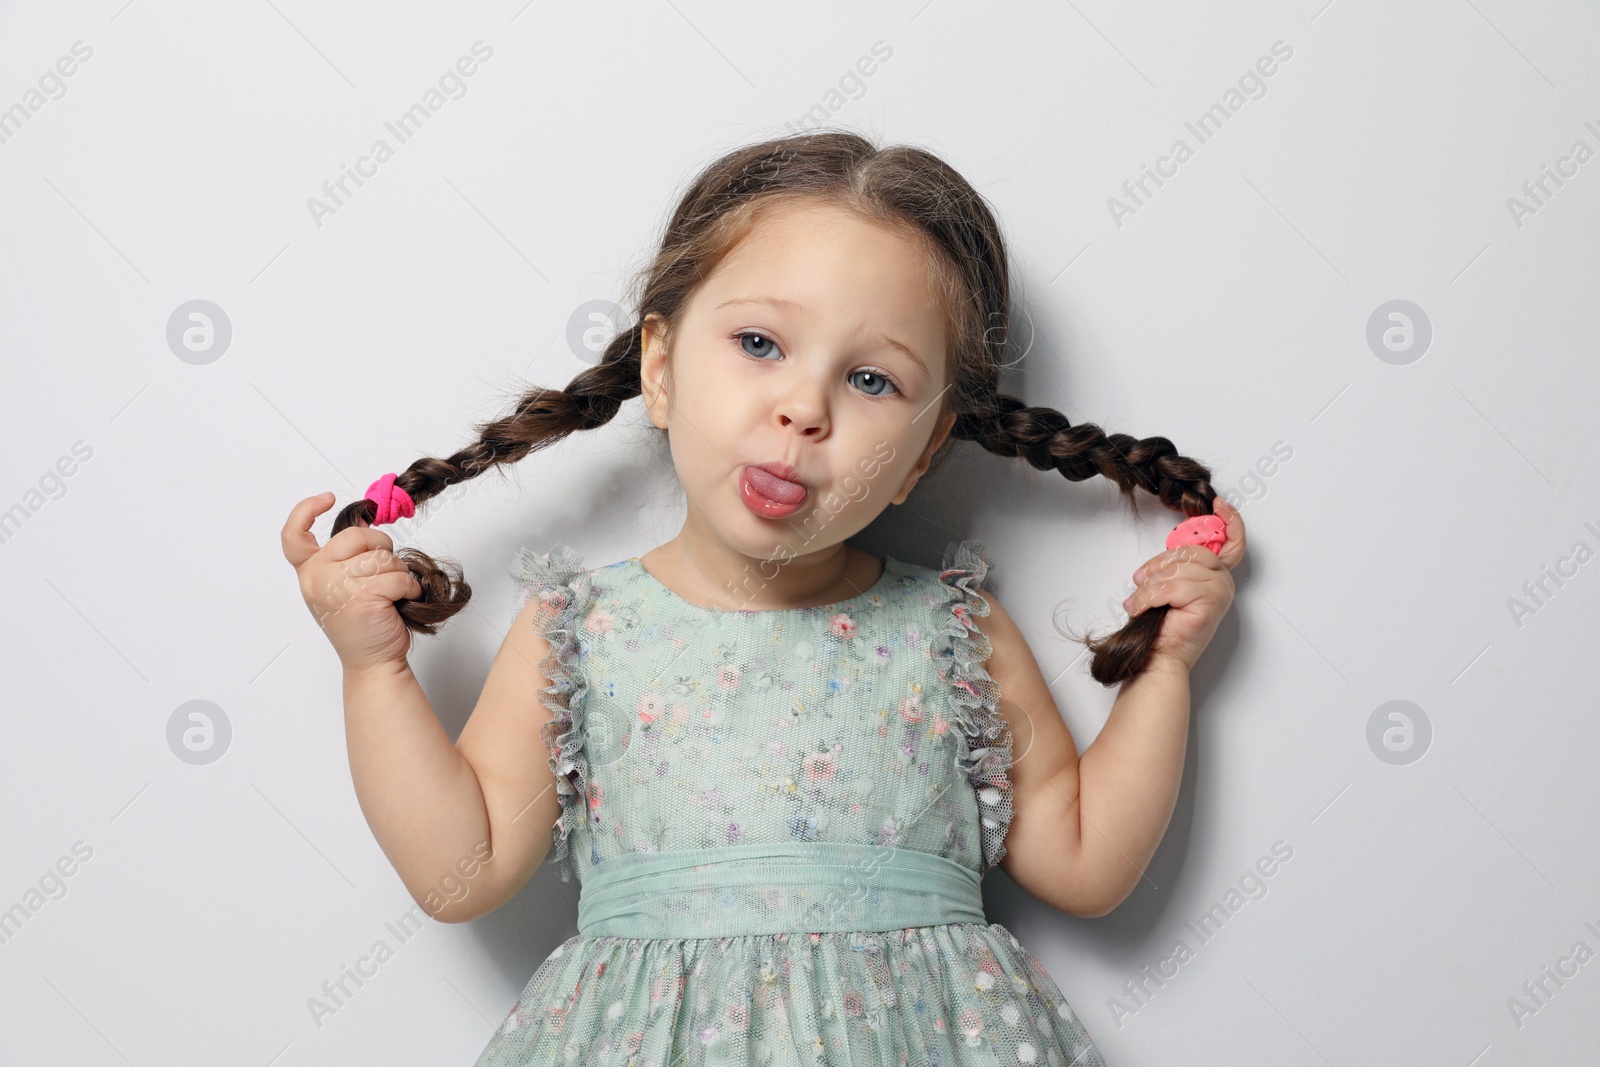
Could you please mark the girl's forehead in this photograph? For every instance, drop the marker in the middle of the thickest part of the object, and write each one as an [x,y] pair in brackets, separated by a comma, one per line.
[816,263]
[813,225]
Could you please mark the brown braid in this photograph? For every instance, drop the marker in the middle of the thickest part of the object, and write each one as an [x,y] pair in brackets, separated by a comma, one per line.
[541,418]
[1045,439]
[927,200]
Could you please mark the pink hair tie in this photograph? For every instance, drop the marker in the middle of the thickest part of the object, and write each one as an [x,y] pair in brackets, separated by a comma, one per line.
[393,502]
[1208,531]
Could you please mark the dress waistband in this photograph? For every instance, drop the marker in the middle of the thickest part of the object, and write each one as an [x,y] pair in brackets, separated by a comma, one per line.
[776,887]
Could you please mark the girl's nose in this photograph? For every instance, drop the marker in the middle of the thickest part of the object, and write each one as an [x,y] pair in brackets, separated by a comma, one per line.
[808,426]
[804,408]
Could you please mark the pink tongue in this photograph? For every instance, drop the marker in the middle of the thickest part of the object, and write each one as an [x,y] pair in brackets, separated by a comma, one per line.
[774,488]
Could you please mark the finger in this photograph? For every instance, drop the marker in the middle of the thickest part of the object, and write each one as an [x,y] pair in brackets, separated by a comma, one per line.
[1192,554]
[390,585]
[1169,562]
[1192,573]
[299,544]
[352,541]
[1177,593]
[1233,550]
[373,562]
[395,585]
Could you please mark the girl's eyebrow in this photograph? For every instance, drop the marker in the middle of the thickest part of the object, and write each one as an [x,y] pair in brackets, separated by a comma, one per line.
[879,338]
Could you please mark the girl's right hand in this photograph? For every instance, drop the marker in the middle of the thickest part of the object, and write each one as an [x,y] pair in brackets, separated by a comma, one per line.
[350,584]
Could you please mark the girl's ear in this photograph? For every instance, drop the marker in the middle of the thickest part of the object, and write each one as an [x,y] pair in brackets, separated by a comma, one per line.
[939,435]
[653,367]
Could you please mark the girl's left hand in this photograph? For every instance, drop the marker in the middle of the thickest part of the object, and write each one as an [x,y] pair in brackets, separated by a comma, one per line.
[1195,584]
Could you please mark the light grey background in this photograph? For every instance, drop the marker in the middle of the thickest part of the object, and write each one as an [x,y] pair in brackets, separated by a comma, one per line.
[1395,510]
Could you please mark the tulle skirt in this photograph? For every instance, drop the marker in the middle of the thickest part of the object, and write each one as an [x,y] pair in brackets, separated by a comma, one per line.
[956,994]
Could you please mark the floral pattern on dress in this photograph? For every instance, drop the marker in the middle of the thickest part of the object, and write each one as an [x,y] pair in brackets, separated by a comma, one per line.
[868,722]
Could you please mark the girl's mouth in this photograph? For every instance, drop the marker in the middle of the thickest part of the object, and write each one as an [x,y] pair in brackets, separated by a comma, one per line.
[769,496]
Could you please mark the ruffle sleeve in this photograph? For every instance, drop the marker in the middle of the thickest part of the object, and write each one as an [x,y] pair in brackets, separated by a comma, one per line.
[557,579]
[975,696]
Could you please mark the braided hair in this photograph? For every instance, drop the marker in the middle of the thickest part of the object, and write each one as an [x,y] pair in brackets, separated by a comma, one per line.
[920,196]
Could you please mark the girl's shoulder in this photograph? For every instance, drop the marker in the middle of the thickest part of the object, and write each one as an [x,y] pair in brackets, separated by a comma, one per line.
[957,578]
[557,579]
[561,565]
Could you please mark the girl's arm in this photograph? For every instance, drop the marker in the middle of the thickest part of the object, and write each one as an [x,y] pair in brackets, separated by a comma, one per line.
[1084,829]
[1128,778]
[464,825]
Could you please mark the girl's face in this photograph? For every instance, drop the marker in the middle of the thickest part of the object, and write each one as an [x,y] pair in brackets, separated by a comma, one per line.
[790,354]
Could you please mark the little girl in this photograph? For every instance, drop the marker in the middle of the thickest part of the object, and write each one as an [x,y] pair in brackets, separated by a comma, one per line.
[778,765]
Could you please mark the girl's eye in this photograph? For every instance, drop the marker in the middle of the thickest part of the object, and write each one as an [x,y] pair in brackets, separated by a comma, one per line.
[878,384]
[880,380]
[748,335]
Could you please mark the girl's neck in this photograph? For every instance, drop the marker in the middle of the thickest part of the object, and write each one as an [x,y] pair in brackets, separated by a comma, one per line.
[727,580]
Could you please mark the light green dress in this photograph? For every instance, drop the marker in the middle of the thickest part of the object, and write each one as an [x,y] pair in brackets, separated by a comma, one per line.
[779,819]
